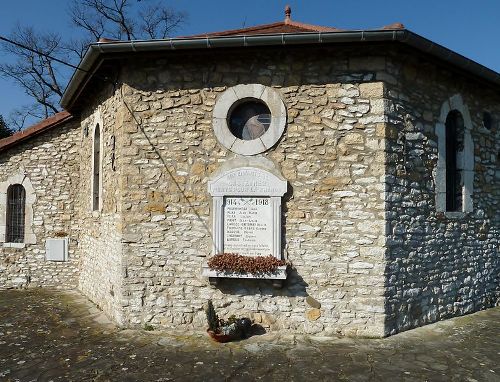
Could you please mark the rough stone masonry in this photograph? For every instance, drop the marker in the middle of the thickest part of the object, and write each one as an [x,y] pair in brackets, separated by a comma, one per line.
[371,255]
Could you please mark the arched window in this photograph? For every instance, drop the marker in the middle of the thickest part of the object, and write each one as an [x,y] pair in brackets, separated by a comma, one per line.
[454,160]
[16,206]
[454,173]
[96,177]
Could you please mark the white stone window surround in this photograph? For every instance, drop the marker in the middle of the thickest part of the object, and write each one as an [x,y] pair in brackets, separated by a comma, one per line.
[29,236]
[97,123]
[465,158]
[234,96]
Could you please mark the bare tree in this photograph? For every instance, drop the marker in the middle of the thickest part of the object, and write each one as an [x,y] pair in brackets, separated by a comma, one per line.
[34,72]
[5,131]
[20,116]
[43,78]
[159,21]
[125,19]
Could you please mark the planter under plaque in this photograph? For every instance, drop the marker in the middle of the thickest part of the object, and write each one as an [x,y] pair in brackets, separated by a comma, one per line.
[279,274]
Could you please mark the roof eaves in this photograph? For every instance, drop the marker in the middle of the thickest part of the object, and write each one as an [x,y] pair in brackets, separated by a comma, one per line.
[93,57]
[35,130]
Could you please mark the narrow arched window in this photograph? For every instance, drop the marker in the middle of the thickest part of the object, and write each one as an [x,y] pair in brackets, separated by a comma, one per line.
[454,165]
[96,176]
[16,205]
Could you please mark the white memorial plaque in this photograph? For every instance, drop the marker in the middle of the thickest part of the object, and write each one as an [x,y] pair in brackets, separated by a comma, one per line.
[246,214]
[248,226]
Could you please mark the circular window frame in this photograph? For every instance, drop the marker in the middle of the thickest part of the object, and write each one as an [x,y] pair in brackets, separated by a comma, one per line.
[233,97]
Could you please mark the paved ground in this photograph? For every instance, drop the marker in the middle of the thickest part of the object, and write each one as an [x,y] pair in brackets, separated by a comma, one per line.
[56,336]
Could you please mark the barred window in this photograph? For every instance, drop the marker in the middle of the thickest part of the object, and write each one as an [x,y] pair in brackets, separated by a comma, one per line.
[16,202]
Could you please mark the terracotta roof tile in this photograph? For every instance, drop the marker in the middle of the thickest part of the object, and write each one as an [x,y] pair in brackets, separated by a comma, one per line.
[279,27]
[105,39]
[394,26]
[286,26]
[35,130]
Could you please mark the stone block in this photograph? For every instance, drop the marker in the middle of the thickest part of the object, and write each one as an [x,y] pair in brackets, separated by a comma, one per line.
[374,90]
[353,138]
[312,302]
[313,314]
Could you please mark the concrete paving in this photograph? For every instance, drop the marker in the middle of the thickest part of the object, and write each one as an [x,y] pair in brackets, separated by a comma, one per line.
[48,335]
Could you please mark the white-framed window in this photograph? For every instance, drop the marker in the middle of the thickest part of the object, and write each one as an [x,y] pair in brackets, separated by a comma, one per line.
[97,155]
[17,198]
[16,212]
[454,175]
[249,119]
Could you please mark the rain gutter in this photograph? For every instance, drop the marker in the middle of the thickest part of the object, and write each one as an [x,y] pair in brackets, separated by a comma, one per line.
[97,52]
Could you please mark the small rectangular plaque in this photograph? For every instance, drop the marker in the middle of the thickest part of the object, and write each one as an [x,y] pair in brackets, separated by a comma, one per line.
[56,249]
[248,226]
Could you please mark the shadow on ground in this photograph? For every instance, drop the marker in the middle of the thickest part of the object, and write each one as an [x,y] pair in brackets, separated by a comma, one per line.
[59,336]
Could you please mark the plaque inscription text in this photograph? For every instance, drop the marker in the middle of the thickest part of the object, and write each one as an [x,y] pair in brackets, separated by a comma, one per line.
[248,226]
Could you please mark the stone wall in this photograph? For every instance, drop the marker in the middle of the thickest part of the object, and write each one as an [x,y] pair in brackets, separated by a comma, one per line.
[332,154]
[371,254]
[101,237]
[49,163]
[438,264]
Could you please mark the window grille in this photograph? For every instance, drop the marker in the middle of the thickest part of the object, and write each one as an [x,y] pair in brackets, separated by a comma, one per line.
[16,202]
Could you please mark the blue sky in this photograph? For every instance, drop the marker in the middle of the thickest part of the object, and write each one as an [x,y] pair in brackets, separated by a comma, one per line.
[470,28]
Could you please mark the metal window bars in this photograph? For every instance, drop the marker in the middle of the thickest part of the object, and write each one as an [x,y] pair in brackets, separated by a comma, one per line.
[16,202]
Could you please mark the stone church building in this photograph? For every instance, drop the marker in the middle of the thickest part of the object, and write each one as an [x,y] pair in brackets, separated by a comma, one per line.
[367,159]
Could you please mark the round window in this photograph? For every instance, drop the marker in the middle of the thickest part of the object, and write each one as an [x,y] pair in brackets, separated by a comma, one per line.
[249,120]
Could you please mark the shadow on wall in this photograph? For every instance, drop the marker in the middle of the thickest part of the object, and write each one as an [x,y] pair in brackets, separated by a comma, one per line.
[207,71]
[437,266]
[294,286]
